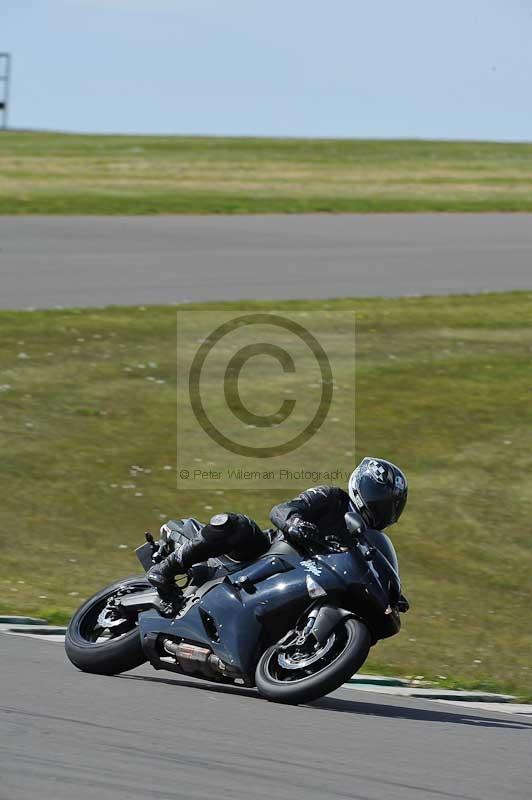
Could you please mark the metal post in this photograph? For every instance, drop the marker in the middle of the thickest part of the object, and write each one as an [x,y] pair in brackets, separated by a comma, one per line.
[5,75]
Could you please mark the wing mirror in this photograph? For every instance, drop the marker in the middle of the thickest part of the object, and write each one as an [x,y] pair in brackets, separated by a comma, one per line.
[354,523]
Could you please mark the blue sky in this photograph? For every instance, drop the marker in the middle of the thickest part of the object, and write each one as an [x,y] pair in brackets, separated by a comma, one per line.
[381,68]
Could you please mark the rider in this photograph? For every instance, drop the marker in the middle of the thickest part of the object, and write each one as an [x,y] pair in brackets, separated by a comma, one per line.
[377,491]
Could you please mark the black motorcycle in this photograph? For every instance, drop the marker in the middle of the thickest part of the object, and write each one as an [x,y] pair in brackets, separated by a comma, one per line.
[295,625]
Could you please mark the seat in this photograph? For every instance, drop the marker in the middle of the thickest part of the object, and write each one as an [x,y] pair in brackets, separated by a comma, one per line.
[182,530]
[228,564]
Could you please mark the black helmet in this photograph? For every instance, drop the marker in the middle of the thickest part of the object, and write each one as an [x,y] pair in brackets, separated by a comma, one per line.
[378,491]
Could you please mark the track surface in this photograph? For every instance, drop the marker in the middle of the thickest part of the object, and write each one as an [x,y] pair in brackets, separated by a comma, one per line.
[93,261]
[64,734]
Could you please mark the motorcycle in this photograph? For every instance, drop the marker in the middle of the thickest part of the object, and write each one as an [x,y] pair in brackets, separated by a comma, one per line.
[294,625]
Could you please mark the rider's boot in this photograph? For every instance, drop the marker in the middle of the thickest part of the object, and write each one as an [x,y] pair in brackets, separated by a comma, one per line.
[162,575]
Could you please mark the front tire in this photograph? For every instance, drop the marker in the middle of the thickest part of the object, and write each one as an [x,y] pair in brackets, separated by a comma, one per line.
[280,680]
[89,651]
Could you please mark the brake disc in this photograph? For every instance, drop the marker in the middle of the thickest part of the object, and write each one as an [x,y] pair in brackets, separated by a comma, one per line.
[107,619]
[299,660]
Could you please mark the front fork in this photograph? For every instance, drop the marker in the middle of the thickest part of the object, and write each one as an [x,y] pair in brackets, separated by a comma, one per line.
[321,620]
[302,638]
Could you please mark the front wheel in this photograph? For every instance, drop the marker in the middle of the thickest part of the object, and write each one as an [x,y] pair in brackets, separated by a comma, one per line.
[301,673]
[102,642]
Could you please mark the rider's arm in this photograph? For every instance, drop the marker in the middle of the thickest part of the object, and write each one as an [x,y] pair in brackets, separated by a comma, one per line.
[307,506]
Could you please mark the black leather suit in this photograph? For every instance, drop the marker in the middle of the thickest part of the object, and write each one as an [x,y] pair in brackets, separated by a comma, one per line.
[236,536]
[241,539]
[326,507]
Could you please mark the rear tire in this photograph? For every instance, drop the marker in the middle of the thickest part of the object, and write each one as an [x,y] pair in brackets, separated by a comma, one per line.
[355,641]
[108,657]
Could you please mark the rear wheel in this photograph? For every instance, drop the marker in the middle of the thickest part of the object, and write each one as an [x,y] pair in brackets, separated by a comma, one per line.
[102,641]
[302,672]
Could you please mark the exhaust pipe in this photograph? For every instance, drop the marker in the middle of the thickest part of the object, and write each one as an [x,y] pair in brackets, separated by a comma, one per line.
[192,658]
[187,653]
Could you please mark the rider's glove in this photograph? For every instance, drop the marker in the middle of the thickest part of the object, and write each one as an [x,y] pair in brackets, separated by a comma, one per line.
[301,532]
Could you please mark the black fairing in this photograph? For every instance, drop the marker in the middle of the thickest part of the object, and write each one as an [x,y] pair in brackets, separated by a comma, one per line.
[238,615]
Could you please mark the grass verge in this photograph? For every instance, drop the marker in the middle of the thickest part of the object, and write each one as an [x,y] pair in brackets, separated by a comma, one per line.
[87,437]
[49,173]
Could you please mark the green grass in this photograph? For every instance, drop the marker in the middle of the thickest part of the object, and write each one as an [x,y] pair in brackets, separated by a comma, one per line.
[49,173]
[443,388]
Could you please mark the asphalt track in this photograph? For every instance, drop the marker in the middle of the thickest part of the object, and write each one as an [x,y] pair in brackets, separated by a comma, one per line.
[147,734]
[95,261]
[150,734]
